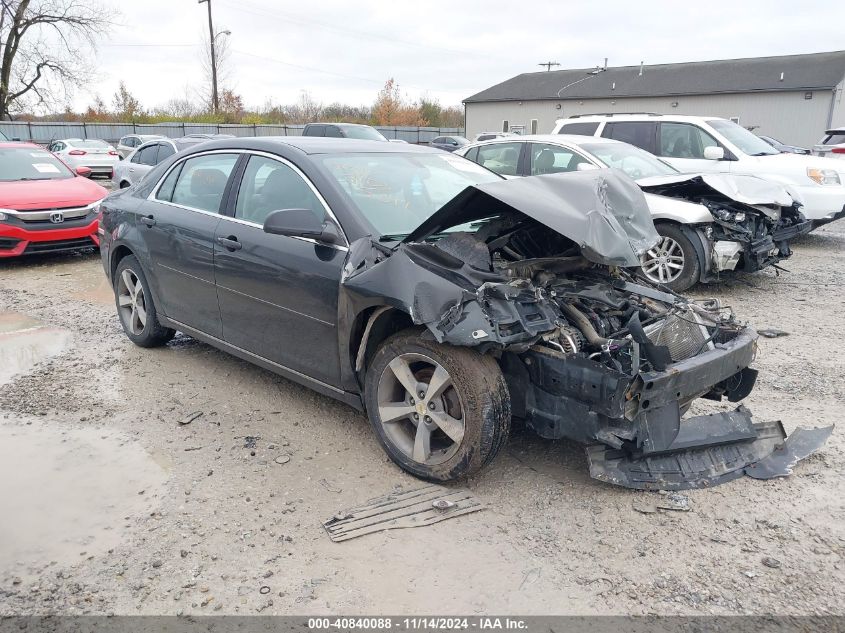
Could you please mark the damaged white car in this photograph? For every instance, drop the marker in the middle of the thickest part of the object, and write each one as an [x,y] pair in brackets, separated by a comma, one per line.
[710,224]
[444,301]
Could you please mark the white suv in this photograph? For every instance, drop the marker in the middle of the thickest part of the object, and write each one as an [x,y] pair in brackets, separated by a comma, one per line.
[695,144]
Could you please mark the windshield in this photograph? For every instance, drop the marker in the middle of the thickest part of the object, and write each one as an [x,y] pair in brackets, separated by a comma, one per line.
[742,138]
[364,133]
[635,162]
[396,192]
[30,163]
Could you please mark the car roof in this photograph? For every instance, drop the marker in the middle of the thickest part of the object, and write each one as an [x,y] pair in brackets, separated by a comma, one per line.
[573,139]
[644,116]
[318,145]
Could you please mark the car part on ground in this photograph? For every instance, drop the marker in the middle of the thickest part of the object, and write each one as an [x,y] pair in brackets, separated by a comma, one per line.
[44,206]
[434,293]
[711,225]
[403,509]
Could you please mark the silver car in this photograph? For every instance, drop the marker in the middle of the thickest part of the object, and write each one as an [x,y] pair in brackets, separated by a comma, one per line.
[132,170]
[832,145]
[96,155]
[129,143]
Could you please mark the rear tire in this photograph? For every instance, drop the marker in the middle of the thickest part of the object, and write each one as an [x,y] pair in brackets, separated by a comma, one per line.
[135,306]
[460,400]
[673,262]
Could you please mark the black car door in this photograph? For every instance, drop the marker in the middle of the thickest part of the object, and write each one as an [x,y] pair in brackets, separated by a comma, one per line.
[278,295]
[178,225]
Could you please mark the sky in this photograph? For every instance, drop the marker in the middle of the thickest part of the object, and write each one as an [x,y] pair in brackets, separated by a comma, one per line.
[341,51]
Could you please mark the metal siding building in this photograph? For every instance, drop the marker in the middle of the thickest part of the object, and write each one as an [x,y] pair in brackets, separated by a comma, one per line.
[793,98]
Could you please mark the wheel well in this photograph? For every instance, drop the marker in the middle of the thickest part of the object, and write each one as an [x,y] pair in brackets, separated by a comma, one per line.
[387,322]
[119,253]
[124,184]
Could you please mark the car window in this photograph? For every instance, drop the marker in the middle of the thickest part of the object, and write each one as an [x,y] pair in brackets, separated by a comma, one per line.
[639,133]
[683,140]
[202,181]
[363,132]
[503,158]
[165,150]
[635,162]
[315,130]
[269,185]
[333,131]
[742,138]
[553,159]
[165,192]
[834,139]
[583,128]
[472,155]
[439,139]
[147,155]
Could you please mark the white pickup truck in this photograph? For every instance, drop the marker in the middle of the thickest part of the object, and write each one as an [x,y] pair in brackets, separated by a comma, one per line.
[694,144]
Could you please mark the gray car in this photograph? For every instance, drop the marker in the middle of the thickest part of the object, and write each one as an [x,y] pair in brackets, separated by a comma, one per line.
[132,170]
[129,143]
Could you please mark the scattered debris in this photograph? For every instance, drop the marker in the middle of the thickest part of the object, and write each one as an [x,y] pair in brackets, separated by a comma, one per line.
[772,333]
[190,418]
[264,590]
[671,501]
[329,486]
[251,441]
[768,561]
[282,459]
[414,508]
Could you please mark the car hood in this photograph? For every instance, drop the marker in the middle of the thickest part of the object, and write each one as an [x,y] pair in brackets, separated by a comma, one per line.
[50,194]
[801,162]
[749,190]
[603,211]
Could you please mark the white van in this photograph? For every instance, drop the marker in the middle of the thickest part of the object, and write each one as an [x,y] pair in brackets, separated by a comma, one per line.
[694,144]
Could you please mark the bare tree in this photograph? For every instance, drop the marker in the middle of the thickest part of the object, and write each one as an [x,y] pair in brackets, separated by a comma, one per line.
[45,45]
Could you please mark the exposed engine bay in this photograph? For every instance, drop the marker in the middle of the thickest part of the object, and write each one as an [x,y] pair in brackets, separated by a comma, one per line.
[589,351]
[753,220]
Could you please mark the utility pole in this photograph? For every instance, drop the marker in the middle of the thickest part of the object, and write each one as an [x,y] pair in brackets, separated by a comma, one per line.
[215,102]
[548,65]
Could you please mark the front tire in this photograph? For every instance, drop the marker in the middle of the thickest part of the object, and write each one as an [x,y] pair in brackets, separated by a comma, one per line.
[440,412]
[673,262]
[135,306]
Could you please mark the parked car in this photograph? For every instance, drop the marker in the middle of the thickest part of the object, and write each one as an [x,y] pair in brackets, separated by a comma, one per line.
[144,158]
[96,155]
[129,143]
[343,130]
[782,147]
[208,137]
[695,144]
[45,206]
[449,143]
[832,145]
[487,136]
[442,299]
[710,223]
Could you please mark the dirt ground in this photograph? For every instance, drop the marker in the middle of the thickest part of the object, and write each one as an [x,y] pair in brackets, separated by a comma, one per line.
[108,504]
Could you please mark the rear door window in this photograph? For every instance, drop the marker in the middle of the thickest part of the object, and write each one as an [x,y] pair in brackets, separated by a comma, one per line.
[639,133]
[147,155]
[316,130]
[684,140]
[202,181]
[834,139]
[583,128]
[164,151]
[503,158]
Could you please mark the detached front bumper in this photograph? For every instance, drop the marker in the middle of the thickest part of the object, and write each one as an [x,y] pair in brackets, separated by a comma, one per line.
[19,238]
[633,427]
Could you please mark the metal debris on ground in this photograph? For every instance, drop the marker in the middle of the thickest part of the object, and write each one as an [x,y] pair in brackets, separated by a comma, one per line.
[772,333]
[768,561]
[671,501]
[413,508]
[325,483]
[190,417]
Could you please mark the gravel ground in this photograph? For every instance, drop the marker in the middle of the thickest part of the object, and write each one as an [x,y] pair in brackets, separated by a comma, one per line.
[110,503]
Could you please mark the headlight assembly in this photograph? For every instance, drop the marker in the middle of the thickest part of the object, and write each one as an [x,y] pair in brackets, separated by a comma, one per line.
[823,176]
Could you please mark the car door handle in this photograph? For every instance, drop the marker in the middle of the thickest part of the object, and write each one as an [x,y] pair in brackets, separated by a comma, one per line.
[148,220]
[230,243]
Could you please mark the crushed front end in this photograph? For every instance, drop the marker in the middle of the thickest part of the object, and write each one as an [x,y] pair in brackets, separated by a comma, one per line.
[546,284]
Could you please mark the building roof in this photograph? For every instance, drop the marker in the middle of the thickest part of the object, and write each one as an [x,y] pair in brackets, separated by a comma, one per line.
[814,71]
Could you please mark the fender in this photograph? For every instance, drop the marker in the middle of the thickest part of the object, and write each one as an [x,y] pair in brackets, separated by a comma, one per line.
[700,243]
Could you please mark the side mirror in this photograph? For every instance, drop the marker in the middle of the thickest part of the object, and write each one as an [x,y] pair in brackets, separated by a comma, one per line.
[301,223]
[714,153]
[586,167]
[85,172]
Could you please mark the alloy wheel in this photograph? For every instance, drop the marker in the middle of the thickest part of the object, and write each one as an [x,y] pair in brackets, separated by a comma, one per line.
[131,302]
[419,409]
[664,262]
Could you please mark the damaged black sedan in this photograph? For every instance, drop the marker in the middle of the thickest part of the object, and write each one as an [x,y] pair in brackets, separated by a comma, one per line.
[444,301]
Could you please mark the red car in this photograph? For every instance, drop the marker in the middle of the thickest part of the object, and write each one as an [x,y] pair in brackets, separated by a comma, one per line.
[45,207]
